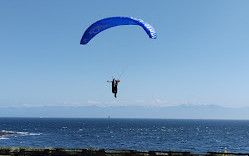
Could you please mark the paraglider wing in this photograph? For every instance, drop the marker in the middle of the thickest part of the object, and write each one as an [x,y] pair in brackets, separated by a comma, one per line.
[106,23]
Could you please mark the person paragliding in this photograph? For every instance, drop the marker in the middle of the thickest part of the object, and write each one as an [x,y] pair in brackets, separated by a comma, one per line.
[114,86]
[111,22]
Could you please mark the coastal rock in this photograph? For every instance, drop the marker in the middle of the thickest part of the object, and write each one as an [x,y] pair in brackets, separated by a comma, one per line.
[7,132]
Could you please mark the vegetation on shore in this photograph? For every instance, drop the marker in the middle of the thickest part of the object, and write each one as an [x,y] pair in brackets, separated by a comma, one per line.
[49,151]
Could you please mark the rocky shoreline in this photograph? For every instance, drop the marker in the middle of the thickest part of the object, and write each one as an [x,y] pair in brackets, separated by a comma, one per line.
[19,151]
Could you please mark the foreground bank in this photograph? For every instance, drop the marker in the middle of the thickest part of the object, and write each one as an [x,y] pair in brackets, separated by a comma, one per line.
[19,151]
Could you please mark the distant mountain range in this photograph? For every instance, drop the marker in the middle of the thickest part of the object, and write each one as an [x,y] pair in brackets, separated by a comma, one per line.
[170,112]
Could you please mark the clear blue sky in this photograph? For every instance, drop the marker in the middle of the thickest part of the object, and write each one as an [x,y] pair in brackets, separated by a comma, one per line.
[201,55]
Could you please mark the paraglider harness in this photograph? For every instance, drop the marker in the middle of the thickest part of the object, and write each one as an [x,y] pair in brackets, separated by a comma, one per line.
[114,86]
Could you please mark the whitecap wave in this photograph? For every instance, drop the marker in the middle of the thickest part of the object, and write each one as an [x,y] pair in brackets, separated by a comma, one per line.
[27,133]
[23,133]
[35,133]
[3,138]
[4,131]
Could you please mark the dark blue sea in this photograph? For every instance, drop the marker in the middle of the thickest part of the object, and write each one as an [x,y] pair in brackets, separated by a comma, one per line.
[196,136]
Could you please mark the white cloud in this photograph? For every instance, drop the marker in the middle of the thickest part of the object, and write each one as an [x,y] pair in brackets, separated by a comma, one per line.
[154,102]
[92,102]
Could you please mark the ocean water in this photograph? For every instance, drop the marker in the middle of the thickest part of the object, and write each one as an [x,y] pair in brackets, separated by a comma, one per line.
[196,136]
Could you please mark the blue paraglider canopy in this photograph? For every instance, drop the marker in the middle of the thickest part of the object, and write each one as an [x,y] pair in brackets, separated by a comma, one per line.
[107,23]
